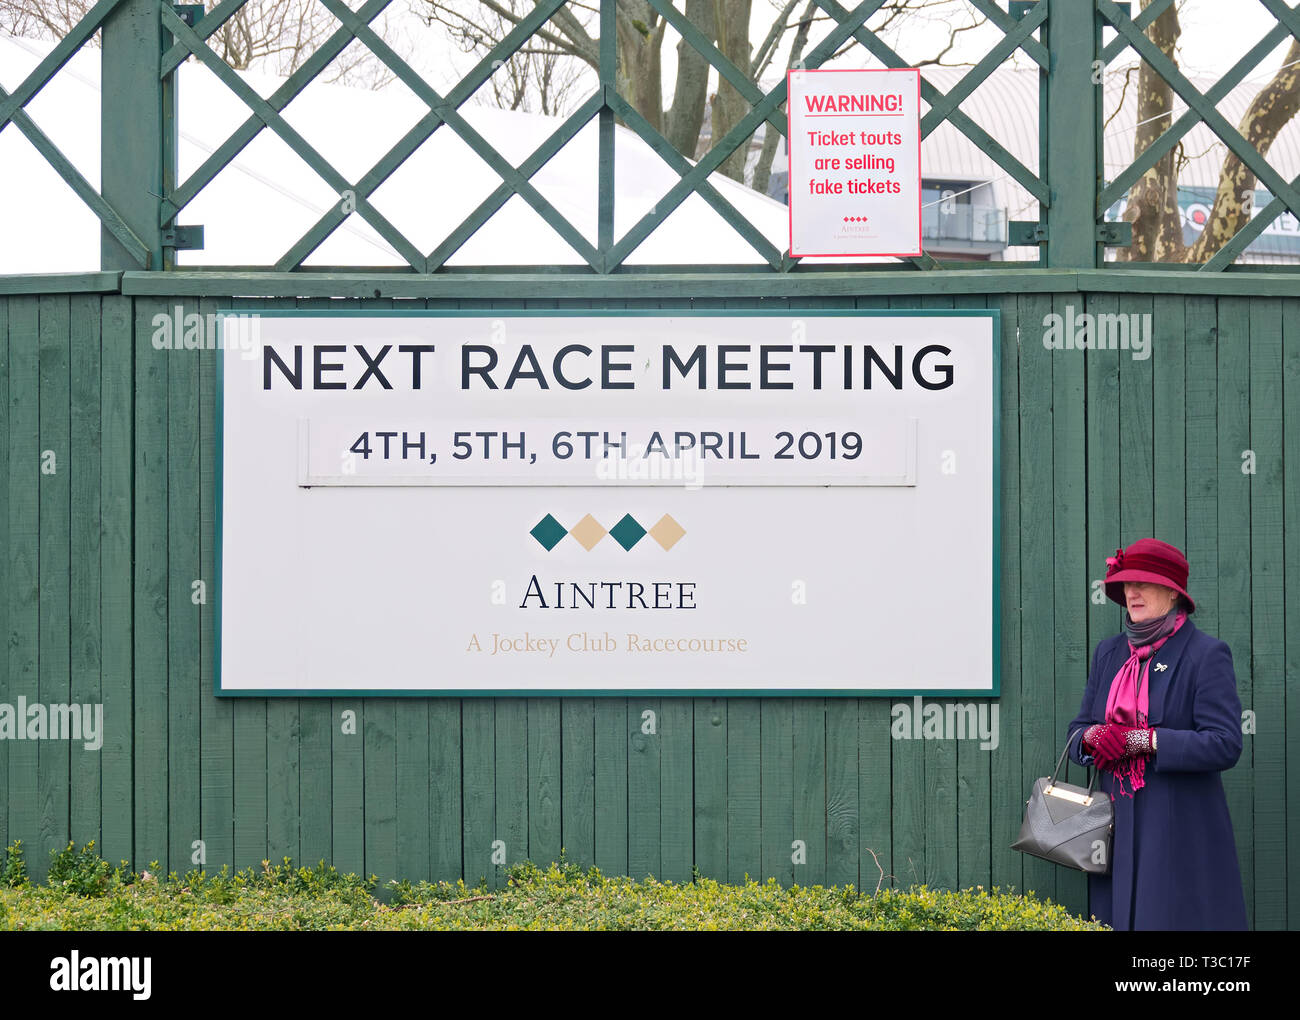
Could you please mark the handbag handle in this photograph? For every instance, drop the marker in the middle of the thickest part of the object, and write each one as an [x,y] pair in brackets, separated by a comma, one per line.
[1061,761]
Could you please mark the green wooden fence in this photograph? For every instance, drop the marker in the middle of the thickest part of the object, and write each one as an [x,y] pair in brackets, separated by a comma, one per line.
[1098,448]
[98,555]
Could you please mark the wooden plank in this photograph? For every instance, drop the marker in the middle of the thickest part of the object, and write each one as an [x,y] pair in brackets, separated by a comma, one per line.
[283,780]
[1169,407]
[676,773]
[1267,616]
[347,784]
[940,764]
[578,780]
[808,774]
[54,663]
[673,283]
[60,283]
[478,740]
[248,732]
[413,776]
[380,744]
[710,825]
[1134,433]
[1202,331]
[1105,533]
[131,116]
[875,849]
[1103,372]
[776,722]
[512,780]
[446,780]
[973,791]
[842,792]
[1233,563]
[1173,278]
[379,735]
[1040,741]
[413,780]
[216,715]
[1135,430]
[877,855]
[911,791]
[1070,591]
[315,779]
[150,593]
[252,760]
[22,569]
[544,781]
[644,746]
[84,586]
[1007,775]
[744,784]
[117,410]
[686,283]
[1291,587]
[4,558]
[611,789]
[318,721]
[184,656]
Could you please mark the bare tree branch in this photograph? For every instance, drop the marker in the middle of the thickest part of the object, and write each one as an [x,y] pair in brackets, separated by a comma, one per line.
[275,35]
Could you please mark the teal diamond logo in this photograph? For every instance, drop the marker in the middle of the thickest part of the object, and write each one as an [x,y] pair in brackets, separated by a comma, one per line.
[627,532]
[548,531]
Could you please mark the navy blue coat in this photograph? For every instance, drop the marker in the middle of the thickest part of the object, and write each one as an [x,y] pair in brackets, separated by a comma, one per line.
[1173,860]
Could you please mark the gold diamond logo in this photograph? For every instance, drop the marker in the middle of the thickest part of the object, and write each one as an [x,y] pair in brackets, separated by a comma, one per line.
[666,532]
[588,532]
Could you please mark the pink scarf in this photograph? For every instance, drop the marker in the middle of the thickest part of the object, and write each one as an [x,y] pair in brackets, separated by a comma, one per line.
[1129,703]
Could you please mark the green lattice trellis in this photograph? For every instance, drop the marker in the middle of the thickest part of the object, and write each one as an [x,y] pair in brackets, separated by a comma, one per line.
[1201,107]
[1052,33]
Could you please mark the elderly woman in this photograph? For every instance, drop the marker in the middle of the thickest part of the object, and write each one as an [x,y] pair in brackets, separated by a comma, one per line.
[1161,719]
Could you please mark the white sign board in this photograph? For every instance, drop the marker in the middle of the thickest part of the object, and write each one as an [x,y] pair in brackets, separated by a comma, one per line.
[855,162]
[605,503]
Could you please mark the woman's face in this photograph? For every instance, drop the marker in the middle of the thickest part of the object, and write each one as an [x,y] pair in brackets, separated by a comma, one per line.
[1147,601]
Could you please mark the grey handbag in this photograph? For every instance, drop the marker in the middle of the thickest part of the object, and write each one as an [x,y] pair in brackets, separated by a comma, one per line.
[1067,824]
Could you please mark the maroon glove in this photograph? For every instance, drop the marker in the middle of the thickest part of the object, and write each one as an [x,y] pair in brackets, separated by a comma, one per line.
[1090,736]
[1115,744]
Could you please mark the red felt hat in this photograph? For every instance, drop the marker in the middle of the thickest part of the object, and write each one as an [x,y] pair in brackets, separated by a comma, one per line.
[1150,560]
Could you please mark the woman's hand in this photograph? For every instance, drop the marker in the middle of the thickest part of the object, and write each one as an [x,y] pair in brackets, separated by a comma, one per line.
[1115,744]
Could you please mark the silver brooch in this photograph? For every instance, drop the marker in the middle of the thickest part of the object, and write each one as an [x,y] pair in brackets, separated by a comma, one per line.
[1161,667]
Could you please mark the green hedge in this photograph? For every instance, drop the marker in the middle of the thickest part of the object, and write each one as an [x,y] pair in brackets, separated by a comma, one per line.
[86,893]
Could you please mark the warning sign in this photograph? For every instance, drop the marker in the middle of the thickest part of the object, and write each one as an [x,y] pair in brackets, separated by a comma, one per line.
[855,162]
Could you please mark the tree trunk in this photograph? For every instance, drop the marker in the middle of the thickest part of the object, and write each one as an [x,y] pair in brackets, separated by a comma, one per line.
[772,137]
[640,74]
[728,105]
[1276,104]
[1153,200]
[691,90]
